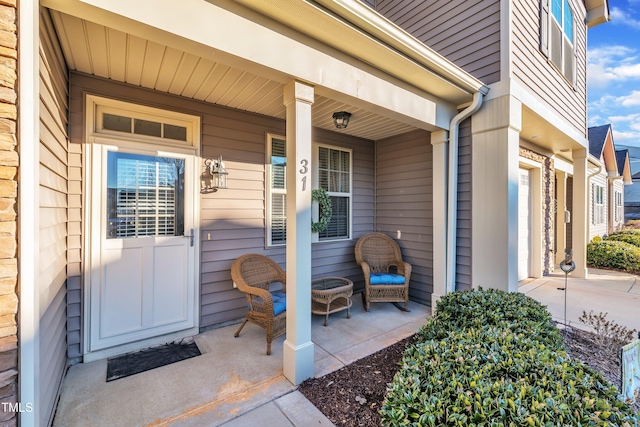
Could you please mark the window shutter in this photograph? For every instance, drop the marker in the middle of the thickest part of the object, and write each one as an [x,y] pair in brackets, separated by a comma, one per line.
[544,27]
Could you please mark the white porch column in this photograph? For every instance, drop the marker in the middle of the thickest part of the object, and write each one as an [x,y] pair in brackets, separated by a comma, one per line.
[580,216]
[298,348]
[561,207]
[439,175]
[495,175]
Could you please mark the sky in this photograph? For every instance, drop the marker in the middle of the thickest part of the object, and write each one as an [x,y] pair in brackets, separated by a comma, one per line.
[613,73]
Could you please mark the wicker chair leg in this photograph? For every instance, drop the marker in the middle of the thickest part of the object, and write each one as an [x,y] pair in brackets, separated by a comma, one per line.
[240,328]
[268,348]
[365,301]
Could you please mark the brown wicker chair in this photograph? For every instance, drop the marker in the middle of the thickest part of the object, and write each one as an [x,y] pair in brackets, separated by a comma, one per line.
[253,275]
[379,255]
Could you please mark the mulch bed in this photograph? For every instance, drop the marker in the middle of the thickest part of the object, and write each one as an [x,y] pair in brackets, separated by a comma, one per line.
[353,395]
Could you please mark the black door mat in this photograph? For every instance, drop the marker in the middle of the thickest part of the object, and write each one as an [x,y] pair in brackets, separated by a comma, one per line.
[150,358]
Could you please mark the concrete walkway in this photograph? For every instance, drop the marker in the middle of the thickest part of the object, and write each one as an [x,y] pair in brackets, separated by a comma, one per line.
[233,383]
[611,292]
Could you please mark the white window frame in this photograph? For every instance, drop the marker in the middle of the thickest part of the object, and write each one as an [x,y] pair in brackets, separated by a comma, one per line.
[315,184]
[598,205]
[315,212]
[618,206]
[270,190]
[567,43]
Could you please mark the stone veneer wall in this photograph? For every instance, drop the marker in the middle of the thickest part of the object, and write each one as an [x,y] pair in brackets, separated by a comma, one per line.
[548,196]
[8,211]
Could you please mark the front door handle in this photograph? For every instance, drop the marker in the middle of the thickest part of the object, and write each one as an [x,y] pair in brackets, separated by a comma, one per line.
[190,236]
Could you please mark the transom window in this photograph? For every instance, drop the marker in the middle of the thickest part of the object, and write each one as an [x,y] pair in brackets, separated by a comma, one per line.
[145,123]
[332,169]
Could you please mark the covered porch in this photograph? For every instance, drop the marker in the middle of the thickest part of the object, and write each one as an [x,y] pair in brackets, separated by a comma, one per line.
[240,77]
[232,377]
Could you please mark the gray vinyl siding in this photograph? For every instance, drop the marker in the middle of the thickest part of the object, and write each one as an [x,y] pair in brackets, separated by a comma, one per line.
[463,239]
[467,32]
[532,68]
[53,233]
[233,221]
[404,204]
[238,217]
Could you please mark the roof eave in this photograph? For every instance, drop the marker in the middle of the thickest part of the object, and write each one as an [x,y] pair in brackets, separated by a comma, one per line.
[597,12]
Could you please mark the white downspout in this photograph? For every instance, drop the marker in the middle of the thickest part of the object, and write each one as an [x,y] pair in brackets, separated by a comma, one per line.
[452,190]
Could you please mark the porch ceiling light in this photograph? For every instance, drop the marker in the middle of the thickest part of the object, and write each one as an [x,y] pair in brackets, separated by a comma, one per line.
[218,173]
[341,119]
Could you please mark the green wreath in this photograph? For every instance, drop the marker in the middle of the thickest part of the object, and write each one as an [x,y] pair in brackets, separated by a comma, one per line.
[320,195]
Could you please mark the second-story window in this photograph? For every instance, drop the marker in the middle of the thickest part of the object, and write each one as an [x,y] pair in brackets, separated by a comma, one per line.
[558,36]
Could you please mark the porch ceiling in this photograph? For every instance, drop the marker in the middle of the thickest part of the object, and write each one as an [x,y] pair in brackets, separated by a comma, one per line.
[109,53]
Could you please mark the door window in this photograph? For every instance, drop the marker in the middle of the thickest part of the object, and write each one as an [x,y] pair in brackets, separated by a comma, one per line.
[145,195]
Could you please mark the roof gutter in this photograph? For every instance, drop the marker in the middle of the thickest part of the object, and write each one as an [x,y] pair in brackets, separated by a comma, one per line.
[452,190]
[392,35]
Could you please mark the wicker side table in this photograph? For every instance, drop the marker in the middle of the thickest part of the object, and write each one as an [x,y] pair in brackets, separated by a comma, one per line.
[330,295]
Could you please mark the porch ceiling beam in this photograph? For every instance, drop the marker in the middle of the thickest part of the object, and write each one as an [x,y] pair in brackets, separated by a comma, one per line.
[278,52]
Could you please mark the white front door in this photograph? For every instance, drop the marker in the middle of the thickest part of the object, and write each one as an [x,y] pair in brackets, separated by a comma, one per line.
[142,224]
[524,225]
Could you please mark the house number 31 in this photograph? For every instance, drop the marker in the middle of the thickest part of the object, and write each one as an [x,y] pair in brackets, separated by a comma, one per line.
[303,170]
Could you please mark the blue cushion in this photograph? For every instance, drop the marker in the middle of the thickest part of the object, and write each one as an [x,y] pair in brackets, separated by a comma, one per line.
[386,279]
[279,302]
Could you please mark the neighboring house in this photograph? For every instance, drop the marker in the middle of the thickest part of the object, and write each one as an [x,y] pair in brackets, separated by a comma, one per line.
[618,188]
[119,241]
[609,174]
[632,199]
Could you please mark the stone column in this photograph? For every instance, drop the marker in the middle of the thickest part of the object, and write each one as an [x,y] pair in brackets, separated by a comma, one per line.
[298,348]
[8,217]
[495,177]
[580,215]
[439,175]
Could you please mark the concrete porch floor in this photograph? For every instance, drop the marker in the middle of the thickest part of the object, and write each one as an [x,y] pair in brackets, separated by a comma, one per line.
[233,382]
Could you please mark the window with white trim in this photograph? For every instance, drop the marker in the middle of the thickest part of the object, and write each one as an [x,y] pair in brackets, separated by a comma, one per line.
[598,204]
[332,172]
[334,176]
[618,208]
[557,36]
[277,190]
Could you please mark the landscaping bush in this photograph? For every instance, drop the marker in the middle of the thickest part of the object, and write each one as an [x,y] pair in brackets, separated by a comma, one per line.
[629,236]
[615,255]
[495,366]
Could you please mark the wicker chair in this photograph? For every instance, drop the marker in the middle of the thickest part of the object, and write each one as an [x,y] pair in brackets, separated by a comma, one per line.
[253,275]
[379,255]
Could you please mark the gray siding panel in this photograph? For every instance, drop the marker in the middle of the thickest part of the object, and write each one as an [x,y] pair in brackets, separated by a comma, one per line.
[536,73]
[53,234]
[404,204]
[467,32]
[463,240]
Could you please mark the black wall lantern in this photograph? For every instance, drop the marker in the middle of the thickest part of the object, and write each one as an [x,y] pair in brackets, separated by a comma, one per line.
[341,119]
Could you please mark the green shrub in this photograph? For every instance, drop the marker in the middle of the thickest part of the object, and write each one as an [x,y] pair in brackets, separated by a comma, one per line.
[493,366]
[488,308]
[615,255]
[596,239]
[629,236]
